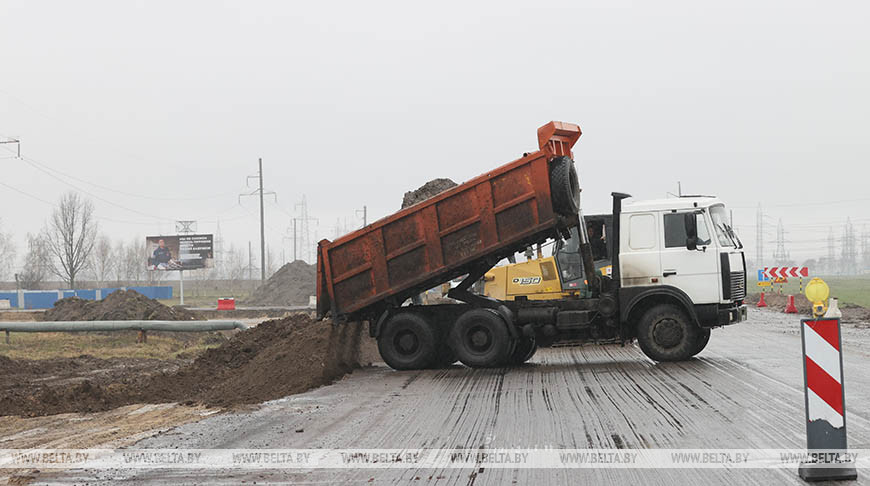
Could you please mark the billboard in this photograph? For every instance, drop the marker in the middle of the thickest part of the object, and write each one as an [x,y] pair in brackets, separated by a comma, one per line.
[180,252]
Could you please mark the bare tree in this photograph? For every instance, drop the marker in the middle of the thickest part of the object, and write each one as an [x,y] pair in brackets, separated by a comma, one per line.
[70,236]
[235,264]
[272,262]
[7,253]
[102,261]
[36,263]
[118,254]
[135,260]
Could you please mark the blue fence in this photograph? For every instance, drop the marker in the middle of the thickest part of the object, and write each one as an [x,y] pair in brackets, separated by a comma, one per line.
[45,299]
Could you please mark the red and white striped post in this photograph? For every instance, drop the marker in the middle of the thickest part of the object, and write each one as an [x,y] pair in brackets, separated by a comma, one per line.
[825,402]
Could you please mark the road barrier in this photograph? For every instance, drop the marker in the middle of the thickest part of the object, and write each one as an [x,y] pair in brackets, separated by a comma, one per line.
[142,326]
[790,308]
[825,401]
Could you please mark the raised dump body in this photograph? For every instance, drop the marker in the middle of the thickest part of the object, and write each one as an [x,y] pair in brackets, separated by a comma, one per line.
[464,230]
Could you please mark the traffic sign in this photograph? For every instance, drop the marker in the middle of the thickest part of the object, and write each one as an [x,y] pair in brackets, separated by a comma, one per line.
[762,277]
[780,280]
[784,272]
[764,283]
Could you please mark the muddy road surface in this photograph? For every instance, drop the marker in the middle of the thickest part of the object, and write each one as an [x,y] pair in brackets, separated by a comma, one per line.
[743,391]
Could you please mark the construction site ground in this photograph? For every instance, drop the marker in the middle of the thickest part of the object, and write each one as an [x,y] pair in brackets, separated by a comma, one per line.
[744,391]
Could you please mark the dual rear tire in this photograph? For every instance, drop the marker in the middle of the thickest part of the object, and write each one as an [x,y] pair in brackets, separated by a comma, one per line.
[479,339]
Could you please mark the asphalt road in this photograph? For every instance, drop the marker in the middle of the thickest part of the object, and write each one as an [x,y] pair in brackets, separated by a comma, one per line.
[743,391]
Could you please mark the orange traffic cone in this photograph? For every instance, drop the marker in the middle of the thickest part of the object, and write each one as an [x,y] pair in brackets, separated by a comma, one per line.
[761,302]
[790,308]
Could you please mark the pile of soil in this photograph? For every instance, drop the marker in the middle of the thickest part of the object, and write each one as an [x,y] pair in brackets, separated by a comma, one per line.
[273,360]
[270,361]
[427,190]
[121,305]
[81,384]
[291,285]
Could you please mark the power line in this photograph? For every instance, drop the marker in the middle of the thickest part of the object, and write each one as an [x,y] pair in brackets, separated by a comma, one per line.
[260,192]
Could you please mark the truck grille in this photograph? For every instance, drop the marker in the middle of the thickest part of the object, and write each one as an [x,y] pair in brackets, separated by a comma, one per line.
[738,285]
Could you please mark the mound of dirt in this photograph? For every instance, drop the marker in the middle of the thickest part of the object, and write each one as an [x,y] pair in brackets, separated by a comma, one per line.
[291,285]
[121,305]
[427,190]
[82,384]
[273,360]
[270,361]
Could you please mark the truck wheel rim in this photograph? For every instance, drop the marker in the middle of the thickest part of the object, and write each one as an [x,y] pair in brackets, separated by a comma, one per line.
[479,339]
[406,342]
[667,333]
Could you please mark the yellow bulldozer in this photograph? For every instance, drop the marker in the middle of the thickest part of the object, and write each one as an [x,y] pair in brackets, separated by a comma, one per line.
[554,277]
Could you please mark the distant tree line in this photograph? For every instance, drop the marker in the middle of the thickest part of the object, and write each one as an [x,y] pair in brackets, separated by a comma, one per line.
[71,248]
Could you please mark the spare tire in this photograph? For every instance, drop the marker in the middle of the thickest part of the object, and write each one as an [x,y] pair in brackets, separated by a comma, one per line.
[564,186]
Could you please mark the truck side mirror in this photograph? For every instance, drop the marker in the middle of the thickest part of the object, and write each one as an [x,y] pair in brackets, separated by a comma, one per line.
[691,223]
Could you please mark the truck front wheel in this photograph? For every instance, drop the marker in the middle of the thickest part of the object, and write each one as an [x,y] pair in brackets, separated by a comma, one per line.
[481,339]
[408,342]
[665,333]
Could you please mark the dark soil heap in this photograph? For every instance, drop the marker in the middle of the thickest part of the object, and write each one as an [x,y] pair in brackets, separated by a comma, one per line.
[270,361]
[291,285]
[273,360]
[427,190]
[121,305]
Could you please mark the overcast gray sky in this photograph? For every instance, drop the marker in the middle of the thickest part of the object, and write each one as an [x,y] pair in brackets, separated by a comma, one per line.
[353,103]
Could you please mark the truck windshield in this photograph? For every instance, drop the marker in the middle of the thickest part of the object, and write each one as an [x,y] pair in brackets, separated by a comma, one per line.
[724,232]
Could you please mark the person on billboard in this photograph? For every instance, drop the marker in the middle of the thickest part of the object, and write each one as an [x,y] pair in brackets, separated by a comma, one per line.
[161,256]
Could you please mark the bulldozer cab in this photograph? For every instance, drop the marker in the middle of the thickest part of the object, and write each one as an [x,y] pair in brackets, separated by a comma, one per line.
[567,252]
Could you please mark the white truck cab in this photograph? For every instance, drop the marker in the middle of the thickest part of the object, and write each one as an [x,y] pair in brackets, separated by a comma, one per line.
[687,246]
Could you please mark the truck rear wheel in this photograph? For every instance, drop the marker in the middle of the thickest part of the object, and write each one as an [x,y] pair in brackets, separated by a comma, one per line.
[524,350]
[481,339]
[665,333]
[408,342]
[703,339]
[564,186]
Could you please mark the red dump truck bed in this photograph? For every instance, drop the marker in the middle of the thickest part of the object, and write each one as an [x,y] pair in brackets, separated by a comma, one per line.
[473,225]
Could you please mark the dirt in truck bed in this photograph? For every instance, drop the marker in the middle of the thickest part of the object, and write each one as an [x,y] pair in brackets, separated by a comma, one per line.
[427,190]
[270,361]
[121,305]
[293,284]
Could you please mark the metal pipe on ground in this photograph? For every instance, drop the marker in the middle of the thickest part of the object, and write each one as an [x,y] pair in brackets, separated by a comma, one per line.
[86,326]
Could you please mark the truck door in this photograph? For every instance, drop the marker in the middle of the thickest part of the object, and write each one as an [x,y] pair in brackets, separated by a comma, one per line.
[695,272]
[640,250]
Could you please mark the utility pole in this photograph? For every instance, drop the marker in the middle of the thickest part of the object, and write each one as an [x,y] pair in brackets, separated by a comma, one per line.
[865,250]
[11,141]
[364,215]
[848,257]
[262,228]
[260,192]
[301,231]
[250,262]
[780,256]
